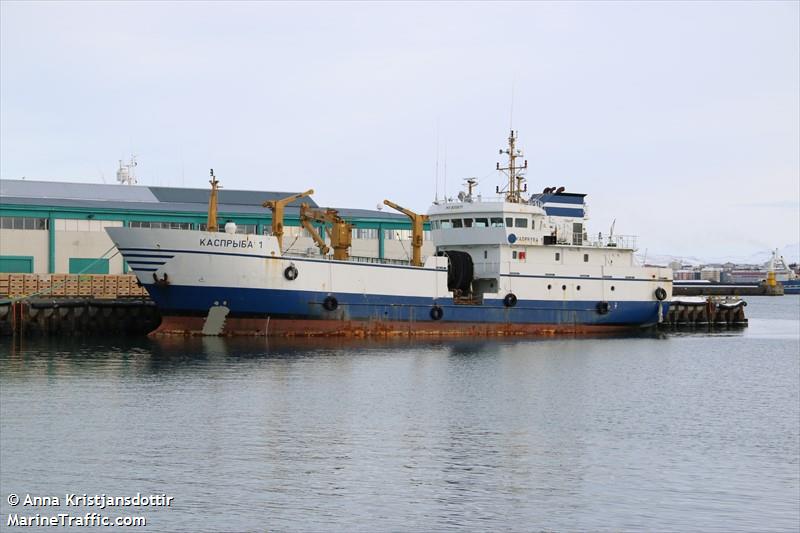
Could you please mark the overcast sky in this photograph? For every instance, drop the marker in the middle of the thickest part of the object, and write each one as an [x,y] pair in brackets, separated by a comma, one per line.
[680,120]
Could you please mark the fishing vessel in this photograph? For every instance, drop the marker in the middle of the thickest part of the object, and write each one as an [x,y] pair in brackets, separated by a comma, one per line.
[516,264]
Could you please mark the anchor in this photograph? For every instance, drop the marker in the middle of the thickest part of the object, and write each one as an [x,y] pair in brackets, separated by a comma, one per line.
[163,282]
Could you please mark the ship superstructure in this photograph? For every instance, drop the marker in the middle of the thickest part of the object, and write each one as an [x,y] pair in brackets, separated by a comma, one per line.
[516,264]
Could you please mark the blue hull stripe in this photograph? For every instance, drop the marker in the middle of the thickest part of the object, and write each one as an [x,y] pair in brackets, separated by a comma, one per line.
[148,255]
[186,300]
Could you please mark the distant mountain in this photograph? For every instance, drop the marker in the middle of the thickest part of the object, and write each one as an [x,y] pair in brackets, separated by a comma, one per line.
[790,253]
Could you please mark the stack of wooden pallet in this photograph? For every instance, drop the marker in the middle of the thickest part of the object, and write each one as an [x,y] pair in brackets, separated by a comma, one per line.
[70,285]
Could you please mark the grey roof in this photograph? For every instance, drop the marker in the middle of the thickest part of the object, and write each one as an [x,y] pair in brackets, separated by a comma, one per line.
[167,199]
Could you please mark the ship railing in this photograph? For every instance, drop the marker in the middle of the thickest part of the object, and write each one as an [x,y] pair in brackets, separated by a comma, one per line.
[378,260]
[629,242]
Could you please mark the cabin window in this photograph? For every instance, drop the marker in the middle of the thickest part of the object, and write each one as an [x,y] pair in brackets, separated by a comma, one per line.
[481,222]
[558,256]
[446,224]
[497,222]
[520,222]
[457,223]
[467,222]
[509,222]
[585,258]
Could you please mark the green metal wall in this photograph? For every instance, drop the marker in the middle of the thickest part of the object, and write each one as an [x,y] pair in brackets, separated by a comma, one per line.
[16,264]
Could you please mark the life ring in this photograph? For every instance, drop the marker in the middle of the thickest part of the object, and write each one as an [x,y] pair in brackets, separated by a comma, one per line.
[290,273]
[437,312]
[602,308]
[510,300]
[661,294]
[330,303]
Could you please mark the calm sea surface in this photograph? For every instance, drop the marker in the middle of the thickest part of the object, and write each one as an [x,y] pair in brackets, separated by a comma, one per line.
[677,432]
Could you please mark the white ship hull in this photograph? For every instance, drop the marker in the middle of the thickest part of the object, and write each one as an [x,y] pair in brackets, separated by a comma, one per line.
[218,284]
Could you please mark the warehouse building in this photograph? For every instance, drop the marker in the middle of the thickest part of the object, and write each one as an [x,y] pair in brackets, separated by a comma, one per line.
[56,227]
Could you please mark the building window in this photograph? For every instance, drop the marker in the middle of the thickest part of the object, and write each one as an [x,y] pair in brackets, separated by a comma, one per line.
[365,233]
[397,234]
[162,225]
[585,258]
[520,222]
[74,224]
[33,223]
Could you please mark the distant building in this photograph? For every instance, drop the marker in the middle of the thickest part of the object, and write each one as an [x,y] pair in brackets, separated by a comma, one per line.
[56,227]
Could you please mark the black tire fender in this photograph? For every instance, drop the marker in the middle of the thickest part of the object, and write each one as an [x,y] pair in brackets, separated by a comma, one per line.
[661,294]
[290,273]
[603,308]
[330,303]
[437,312]
[510,300]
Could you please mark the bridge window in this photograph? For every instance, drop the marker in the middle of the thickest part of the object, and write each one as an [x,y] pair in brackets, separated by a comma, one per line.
[509,222]
[446,224]
[457,223]
[467,222]
[481,222]
[520,222]
[497,222]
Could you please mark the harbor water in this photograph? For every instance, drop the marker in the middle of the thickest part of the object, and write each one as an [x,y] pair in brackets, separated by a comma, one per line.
[685,431]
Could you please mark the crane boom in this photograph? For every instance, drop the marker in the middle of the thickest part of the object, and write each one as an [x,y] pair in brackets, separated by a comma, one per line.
[340,231]
[417,229]
[277,207]
[211,223]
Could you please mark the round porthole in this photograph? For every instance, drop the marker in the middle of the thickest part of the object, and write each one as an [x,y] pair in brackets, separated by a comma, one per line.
[578,287]
[563,287]
[549,287]
[612,287]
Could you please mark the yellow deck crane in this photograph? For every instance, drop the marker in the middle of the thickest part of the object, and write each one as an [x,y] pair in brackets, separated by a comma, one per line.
[340,231]
[277,207]
[212,203]
[417,222]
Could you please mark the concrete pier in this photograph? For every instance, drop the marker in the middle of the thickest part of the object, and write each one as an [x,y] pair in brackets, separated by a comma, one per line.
[68,305]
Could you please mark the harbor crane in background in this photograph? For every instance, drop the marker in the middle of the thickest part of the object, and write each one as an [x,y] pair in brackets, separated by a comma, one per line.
[277,207]
[340,231]
[417,222]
